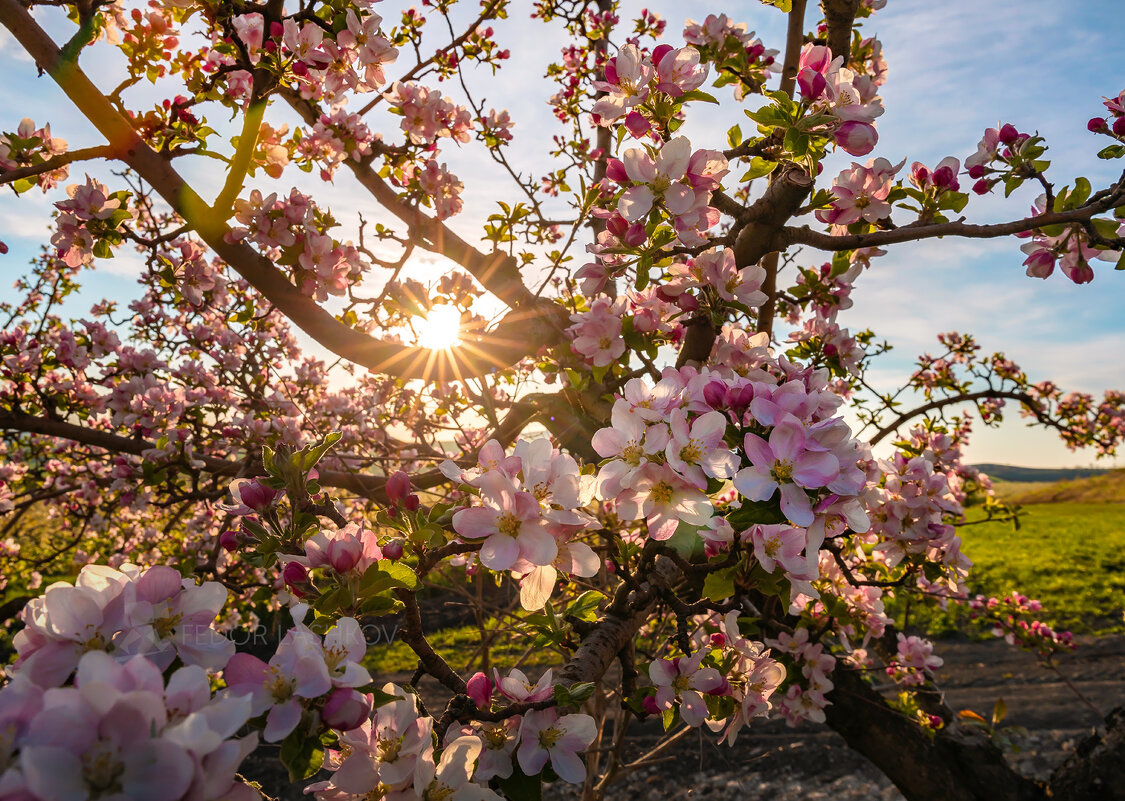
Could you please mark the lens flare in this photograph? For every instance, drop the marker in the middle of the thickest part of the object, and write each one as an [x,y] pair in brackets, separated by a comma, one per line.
[441,329]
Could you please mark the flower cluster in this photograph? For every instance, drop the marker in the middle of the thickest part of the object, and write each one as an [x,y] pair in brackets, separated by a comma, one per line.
[295,230]
[672,178]
[29,146]
[307,675]
[1014,617]
[847,96]
[914,661]
[530,512]
[861,193]
[121,732]
[154,613]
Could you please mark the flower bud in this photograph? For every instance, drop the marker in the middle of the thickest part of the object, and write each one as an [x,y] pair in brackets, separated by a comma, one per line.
[615,171]
[230,540]
[343,553]
[982,187]
[635,235]
[294,574]
[392,550]
[1096,124]
[479,688]
[398,487]
[659,52]
[411,503]
[857,138]
[811,83]
[1008,134]
[1119,126]
[687,302]
[649,705]
[346,709]
[715,394]
[637,124]
[976,171]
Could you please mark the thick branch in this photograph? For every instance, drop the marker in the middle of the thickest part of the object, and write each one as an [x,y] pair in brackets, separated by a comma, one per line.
[956,764]
[367,486]
[839,17]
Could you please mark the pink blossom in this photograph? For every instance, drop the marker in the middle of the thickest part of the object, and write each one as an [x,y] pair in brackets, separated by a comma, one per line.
[785,463]
[547,737]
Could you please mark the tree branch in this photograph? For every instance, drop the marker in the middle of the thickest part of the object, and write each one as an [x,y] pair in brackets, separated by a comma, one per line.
[518,335]
[54,162]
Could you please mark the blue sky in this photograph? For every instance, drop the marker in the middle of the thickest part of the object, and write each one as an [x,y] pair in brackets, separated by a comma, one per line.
[956,67]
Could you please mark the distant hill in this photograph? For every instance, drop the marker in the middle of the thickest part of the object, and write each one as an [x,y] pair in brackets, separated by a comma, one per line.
[1007,472]
[1103,486]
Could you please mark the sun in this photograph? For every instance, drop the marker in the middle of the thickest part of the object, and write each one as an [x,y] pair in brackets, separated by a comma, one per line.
[441,328]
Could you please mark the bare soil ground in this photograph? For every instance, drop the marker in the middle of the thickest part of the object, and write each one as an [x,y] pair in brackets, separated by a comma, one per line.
[811,762]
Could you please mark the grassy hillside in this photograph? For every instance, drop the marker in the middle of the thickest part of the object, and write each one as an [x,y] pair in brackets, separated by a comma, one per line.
[1107,487]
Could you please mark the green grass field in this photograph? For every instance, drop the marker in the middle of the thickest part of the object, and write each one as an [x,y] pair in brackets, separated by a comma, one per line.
[1070,556]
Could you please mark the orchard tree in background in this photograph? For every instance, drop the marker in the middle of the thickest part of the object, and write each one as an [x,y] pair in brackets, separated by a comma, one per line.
[639,464]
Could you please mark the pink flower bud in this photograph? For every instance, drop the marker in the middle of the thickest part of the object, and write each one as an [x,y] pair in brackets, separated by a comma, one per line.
[715,394]
[479,688]
[294,574]
[659,52]
[976,171]
[649,705]
[637,124]
[1118,128]
[857,138]
[817,58]
[1008,134]
[1095,124]
[687,302]
[398,487]
[230,540]
[343,553]
[346,709]
[392,550]
[811,83]
[411,503]
[277,30]
[254,493]
[635,235]
[982,187]
[617,225]
[718,640]
[615,171]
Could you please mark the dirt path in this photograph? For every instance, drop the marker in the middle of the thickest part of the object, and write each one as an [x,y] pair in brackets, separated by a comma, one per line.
[810,762]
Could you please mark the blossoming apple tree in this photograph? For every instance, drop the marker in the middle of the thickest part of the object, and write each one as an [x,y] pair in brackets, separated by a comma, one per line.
[640,465]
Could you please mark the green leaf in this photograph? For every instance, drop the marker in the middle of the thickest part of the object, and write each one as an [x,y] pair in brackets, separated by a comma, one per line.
[301,755]
[696,94]
[1080,192]
[758,167]
[782,5]
[1112,152]
[1012,184]
[1120,262]
[719,586]
[585,606]
[385,575]
[313,454]
[734,136]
